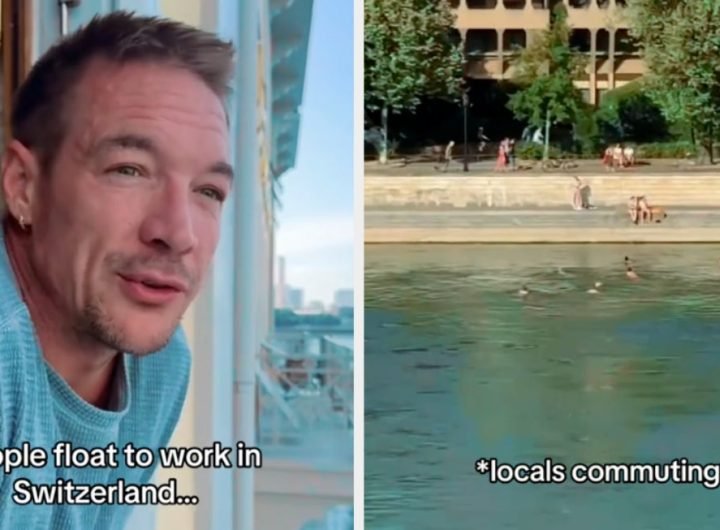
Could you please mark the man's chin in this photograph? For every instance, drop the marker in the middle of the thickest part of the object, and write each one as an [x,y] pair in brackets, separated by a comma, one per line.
[129,329]
[143,347]
[145,337]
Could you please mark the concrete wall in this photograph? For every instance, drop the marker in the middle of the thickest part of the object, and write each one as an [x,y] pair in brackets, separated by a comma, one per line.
[514,191]
[187,11]
[523,235]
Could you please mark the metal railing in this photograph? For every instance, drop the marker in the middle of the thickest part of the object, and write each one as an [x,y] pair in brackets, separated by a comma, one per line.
[306,397]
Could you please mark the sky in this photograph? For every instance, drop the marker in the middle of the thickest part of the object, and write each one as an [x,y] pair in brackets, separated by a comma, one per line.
[315,220]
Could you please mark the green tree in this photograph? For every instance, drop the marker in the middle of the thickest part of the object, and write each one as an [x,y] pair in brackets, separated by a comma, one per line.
[628,113]
[409,54]
[681,45]
[545,70]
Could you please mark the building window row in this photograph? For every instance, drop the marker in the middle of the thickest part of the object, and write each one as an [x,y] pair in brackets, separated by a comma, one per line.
[481,42]
[537,4]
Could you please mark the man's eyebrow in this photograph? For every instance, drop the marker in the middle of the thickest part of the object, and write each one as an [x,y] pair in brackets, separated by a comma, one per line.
[125,141]
[223,168]
[143,143]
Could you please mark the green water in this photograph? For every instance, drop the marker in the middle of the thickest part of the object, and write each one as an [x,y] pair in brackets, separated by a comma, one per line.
[458,367]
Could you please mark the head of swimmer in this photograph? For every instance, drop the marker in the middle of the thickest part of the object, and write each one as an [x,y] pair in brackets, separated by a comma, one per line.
[116,174]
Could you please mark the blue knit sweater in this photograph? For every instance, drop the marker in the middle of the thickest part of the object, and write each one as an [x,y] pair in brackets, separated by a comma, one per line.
[37,406]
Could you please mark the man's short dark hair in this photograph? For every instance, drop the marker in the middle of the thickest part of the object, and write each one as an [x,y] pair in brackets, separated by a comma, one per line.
[42,104]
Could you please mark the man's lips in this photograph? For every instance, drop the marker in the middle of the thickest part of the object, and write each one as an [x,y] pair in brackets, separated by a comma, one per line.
[157,281]
[152,289]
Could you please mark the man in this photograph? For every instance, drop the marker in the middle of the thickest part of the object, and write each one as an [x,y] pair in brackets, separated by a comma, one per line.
[448,155]
[114,184]
[482,140]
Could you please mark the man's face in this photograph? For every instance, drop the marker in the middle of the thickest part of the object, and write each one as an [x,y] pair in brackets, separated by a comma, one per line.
[126,224]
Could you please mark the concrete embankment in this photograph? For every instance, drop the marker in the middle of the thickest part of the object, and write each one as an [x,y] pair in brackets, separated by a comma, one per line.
[536,209]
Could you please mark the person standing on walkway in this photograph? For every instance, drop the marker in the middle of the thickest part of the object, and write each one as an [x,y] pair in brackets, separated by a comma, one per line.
[501,163]
[511,153]
[448,157]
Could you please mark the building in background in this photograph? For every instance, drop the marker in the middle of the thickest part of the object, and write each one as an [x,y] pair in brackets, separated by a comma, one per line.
[492,32]
[286,296]
[295,298]
[344,298]
[281,288]
[230,324]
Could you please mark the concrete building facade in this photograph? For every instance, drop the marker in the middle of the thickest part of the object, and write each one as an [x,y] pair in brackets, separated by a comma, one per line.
[494,31]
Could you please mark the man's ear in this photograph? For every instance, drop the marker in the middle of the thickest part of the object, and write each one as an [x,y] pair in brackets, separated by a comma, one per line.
[20,178]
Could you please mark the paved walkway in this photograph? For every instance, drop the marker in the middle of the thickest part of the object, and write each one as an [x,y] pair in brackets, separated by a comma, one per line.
[537,226]
[533,218]
[584,167]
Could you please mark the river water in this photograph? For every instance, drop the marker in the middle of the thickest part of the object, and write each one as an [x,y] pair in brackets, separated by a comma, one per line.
[458,367]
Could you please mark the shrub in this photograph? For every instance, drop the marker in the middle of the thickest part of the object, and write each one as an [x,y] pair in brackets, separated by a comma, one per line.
[532,151]
[666,150]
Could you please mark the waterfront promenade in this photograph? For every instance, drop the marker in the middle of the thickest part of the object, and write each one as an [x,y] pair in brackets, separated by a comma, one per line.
[535,207]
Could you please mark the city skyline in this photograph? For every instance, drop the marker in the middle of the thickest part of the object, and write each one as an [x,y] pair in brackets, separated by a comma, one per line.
[309,302]
[315,220]
[293,296]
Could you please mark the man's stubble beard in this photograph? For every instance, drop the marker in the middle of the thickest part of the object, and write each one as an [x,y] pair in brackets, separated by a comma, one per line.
[100,327]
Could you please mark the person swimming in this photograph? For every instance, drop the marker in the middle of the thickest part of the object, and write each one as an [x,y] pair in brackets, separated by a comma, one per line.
[594,288]
[630,273]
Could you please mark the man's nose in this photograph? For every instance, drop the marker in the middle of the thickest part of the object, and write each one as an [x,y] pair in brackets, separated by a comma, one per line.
[169,226]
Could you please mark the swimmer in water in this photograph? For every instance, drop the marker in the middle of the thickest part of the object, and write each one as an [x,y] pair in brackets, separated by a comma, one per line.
[630,273]
[594,289]
[524,291]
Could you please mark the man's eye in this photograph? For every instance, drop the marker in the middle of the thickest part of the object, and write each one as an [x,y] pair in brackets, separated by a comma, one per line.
[129,171]
[213,194]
